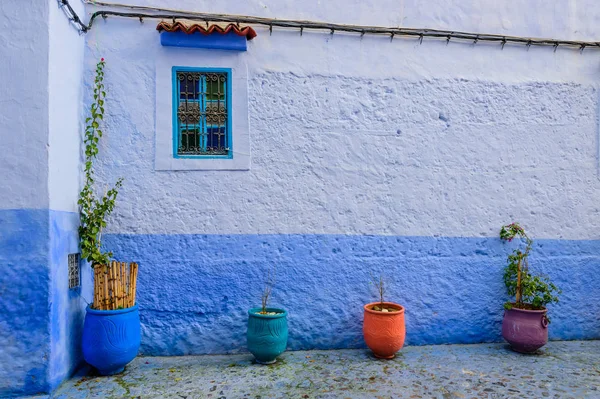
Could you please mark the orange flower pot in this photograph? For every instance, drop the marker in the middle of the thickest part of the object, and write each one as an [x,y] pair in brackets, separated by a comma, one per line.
[384,332]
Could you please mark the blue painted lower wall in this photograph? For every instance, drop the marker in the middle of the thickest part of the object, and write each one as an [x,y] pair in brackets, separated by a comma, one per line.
[40,318]
[24,315]
[194,290]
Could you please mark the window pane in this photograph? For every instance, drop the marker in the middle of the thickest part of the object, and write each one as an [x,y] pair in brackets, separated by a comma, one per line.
[202,113]
[215,87]
[216,139]
[189,86]
[189,141]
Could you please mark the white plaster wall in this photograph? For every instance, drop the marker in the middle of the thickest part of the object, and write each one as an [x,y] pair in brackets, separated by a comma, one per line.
[40,106]
[23,104]
[65,71]
[369,136]
[571,19]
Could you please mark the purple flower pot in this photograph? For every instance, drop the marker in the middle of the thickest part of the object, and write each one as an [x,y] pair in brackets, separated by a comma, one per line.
[525,330]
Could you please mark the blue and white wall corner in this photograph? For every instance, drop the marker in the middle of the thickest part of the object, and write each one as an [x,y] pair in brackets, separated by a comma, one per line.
[41,97]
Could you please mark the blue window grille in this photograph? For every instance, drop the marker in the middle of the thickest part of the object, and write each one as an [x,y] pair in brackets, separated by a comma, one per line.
[202,113]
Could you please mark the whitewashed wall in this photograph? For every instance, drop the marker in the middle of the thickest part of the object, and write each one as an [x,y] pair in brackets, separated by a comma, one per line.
[371,136]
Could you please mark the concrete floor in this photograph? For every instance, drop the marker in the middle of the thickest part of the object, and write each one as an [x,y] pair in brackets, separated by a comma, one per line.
[560,370]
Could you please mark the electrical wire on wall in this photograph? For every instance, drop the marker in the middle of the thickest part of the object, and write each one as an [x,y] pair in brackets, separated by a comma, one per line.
[72,16]
[141,12]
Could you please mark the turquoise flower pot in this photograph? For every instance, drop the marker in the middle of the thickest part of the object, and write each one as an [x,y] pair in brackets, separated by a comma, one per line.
[267,334]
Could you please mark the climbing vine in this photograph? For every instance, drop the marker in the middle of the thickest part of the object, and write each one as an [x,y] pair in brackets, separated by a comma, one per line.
[93,211]
[531,292]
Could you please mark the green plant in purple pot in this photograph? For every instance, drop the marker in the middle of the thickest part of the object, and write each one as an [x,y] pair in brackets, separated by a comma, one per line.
[525,323]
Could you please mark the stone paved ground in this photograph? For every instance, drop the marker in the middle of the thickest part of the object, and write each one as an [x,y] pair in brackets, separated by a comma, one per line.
[560,370]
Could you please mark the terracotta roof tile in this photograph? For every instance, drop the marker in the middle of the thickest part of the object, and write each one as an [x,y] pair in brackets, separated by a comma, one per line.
[190,27]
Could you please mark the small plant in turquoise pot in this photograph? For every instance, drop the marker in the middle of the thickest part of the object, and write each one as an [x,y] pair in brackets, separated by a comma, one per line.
[267,329]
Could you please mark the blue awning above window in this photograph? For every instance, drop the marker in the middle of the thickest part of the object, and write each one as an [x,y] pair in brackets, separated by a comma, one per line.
[215,36]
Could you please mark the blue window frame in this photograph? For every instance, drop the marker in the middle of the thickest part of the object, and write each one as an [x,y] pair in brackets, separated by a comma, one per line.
[202,113]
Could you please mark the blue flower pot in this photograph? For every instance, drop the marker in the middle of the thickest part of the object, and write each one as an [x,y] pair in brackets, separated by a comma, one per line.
[111,338]
[267,334]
